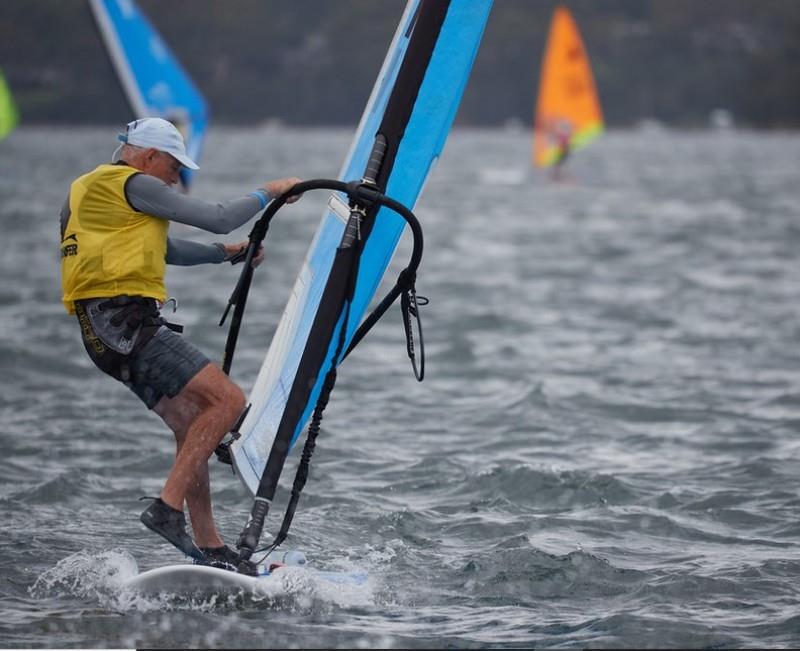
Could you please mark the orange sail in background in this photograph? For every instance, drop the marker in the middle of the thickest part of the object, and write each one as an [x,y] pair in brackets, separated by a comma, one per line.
[568,108]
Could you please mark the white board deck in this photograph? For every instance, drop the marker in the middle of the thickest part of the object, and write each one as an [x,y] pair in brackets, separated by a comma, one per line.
[191,578]
[201,579]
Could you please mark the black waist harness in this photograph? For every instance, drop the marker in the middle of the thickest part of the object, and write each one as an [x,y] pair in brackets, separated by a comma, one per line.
[136,311]
[134,321]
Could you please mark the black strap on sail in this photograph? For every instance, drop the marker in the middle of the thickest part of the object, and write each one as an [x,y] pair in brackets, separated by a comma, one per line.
[238,298]
[409,304]
[366,198]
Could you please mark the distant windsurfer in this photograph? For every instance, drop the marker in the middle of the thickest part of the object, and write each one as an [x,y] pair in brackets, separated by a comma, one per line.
[114,248]
[562,137]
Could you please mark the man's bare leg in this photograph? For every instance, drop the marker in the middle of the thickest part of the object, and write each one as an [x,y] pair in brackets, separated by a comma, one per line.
[178,416]
[200,416]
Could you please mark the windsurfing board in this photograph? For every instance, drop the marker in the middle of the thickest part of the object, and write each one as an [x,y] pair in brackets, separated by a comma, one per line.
[184,578]
[180,579]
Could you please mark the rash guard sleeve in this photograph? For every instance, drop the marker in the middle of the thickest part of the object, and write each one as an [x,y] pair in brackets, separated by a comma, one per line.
[187,253]
[152,196]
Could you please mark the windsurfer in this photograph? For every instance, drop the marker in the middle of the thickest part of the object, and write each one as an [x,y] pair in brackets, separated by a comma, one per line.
[562,135]
[114,247]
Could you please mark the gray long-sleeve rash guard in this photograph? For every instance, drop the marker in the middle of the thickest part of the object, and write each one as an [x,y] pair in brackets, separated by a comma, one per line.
[152,196]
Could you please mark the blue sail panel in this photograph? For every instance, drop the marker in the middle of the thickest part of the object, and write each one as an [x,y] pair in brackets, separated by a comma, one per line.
[154,82]
[433,112]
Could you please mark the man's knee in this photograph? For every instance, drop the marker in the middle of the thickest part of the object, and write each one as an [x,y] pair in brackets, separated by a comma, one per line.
[235,399]
[218,390]
[227,395]
[231,403]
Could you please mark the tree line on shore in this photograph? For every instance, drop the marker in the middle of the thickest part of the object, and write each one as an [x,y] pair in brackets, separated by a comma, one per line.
[313,62]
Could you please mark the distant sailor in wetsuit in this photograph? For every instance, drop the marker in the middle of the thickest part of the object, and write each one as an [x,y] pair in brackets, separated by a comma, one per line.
[114,249]
[562,137]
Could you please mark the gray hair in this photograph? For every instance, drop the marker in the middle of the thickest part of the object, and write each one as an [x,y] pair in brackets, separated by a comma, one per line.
[126,152]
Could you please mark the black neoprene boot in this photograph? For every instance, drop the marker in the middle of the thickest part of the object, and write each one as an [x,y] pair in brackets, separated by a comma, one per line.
[170,523]
[223,557]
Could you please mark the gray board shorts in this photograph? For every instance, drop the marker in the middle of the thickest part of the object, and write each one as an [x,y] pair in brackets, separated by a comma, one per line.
[145,355]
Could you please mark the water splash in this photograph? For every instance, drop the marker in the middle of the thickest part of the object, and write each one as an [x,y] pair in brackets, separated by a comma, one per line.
[104,577]
[97,576]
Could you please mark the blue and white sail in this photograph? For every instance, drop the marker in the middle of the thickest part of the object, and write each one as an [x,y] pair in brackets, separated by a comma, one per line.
[152,78]
[416,96]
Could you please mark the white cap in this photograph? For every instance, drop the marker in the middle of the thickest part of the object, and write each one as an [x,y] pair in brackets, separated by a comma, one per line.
[156,133]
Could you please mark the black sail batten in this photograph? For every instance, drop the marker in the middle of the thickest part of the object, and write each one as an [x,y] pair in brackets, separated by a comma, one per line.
[339,288]
[427,27]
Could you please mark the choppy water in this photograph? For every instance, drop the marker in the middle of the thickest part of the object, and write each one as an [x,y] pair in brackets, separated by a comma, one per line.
[605,450]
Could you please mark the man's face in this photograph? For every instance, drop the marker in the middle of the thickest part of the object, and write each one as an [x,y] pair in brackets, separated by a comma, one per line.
[162,165]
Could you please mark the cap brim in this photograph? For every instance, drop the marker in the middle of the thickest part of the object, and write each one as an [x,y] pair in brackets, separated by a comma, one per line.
[185,161]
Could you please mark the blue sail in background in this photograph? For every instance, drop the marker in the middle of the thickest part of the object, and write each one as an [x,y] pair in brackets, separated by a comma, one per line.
[154,82]
[433,107]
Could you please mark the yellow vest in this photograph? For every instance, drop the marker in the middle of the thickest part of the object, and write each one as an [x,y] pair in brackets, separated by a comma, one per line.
[108,248]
